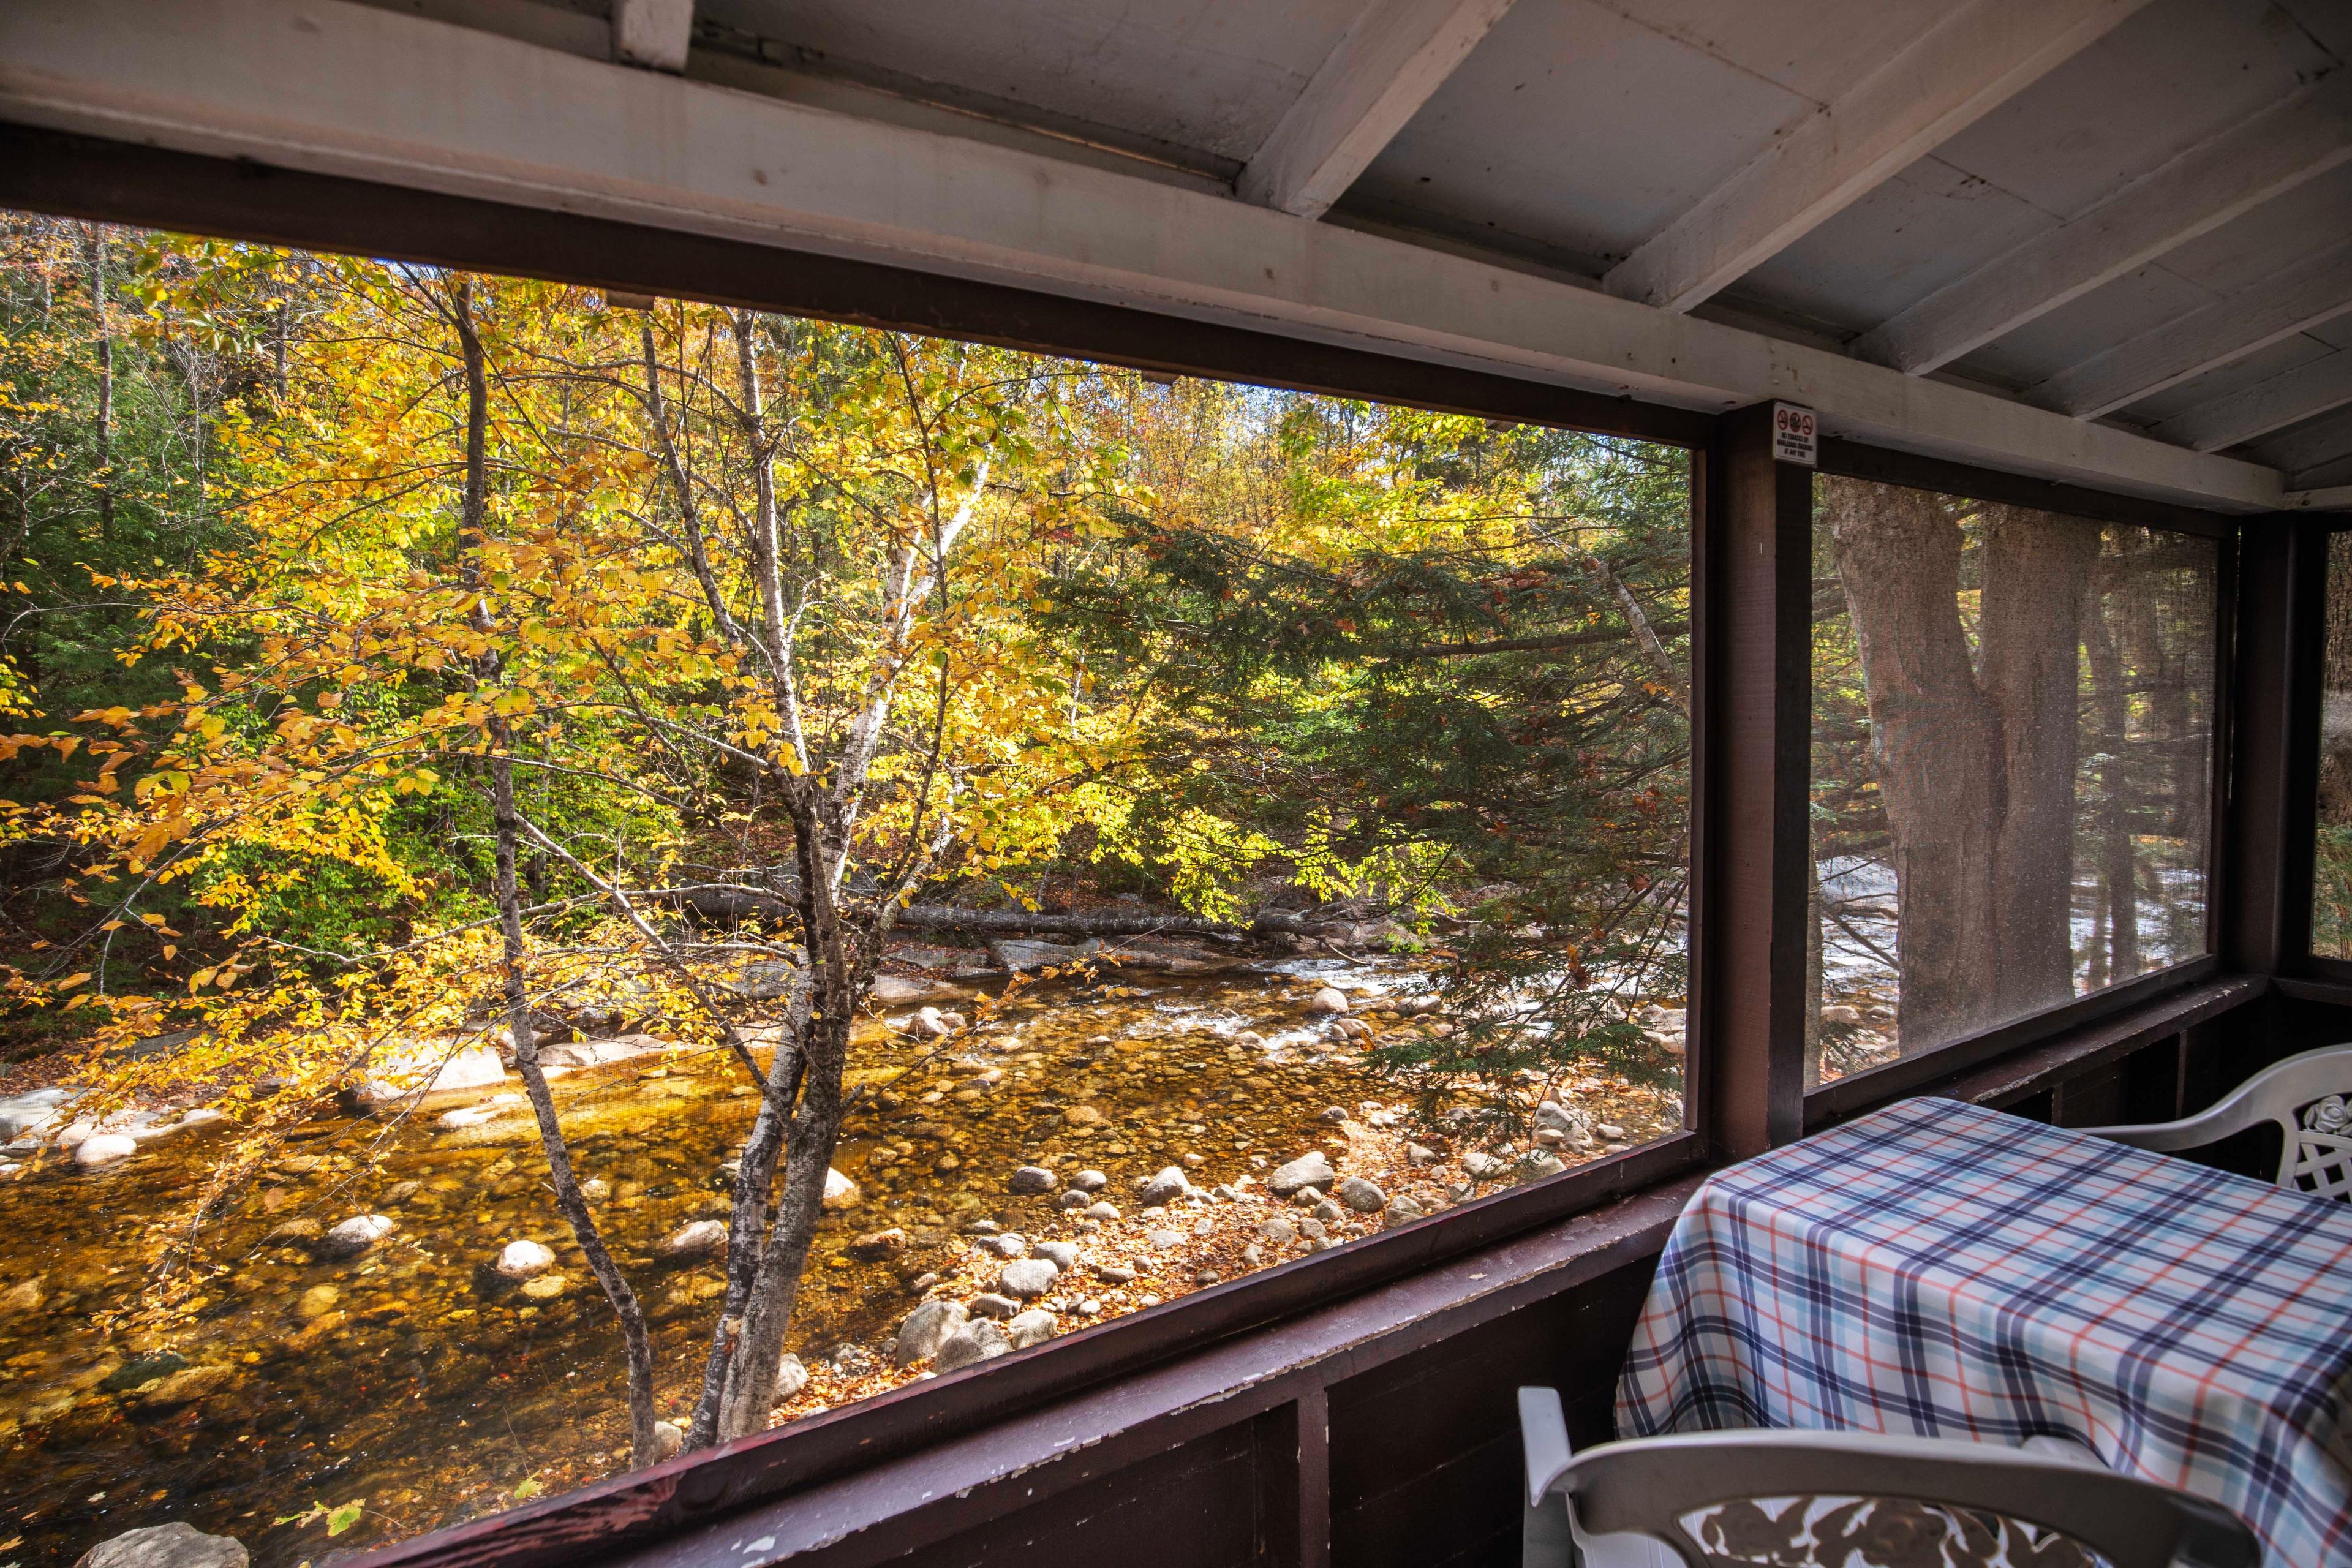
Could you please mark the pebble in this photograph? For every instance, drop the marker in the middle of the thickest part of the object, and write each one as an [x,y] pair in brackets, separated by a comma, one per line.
[178,1544]
[840,1192]
[1205,1277]
[923,1282]
[1072,1199]
[1281,1231]
[791,1378]
[1166,1240]
[1328,1001]
[1404,1211]
[1333,1113]
[546,1287]
[1090,1180]
[1421,1154]
[1032,1179]
[1114,1274]
[295,1233]
[925,1330]
[1481,1167]
[1089,1307]
[1253,1255]
[472,1116]
[693,1242]
[1306,1197]
[1105,1213]
[1312,1229]
[1609,1133]
[1205,1228]
[524,1260]
[1309,1170]
[1540,1163]
[668,1438]
[991,1305]
[877,1246]
[1007,1245]
[1063,1254]
[1032,1327]
[317,1301]
[595,1189]
[1329,1213]
[1361,1195]
[354,1236]
[1029,1278]
[975,1341]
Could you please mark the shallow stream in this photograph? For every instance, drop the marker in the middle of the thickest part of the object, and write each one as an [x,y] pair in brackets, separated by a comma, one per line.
[414,1379]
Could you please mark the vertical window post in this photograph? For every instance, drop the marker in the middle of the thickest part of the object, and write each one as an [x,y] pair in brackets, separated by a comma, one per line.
[2267,894]
[1758,578]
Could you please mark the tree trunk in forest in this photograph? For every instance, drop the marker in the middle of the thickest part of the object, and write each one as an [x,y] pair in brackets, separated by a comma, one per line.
[97,238]
[1975,766]
[1899,559]
[569,1200]
[2118,914]
[2036,574]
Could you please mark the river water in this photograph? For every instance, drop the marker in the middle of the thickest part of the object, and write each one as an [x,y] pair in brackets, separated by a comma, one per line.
[414,1380]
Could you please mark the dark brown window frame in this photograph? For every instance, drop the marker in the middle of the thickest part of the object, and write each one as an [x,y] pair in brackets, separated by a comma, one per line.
[1750,648]
[2305,632]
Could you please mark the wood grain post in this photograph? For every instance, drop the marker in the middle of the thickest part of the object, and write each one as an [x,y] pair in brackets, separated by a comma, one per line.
[1756,575]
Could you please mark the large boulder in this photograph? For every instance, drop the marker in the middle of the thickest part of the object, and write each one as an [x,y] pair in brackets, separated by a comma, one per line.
[1029,1278]
[1166,1187]
[925,1329]
[104,1149]
[977,1341]
[792,1376]
[1309,1170]
[1033,1327]
[1018,956]
[175,1545]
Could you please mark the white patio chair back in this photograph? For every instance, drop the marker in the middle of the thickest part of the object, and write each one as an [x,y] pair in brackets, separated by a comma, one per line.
[1624,1505]
[2309,1097]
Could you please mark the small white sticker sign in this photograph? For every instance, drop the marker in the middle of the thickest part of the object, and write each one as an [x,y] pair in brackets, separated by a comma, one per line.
[1795,438]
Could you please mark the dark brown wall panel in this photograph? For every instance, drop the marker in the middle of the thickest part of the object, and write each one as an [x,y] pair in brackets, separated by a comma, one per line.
[1426,1450]
[1196,1506]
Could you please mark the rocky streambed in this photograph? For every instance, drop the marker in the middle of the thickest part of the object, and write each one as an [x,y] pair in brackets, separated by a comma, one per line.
[406,1325]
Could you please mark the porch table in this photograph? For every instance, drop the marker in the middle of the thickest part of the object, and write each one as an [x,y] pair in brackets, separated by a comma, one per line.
[1942,1269]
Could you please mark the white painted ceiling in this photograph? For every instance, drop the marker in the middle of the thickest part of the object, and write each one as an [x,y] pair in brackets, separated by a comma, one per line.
[1572,132]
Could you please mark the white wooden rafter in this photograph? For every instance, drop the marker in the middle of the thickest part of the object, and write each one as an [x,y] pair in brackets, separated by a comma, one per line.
[2230,173]
[1975,59]
[2275,404]
[2312,292]
[1396,54]
[653,33]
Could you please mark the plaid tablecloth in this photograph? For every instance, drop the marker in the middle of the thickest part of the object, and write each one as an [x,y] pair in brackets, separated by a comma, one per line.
[1945,1270]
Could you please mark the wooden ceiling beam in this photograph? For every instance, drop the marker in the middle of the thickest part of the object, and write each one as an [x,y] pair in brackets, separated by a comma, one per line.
[1397,53]
[2274,404]
[2312,291]
[2298,139]
[1970,62]
[653,33]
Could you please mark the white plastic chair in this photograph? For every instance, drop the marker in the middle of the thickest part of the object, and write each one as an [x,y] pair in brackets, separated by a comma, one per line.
[2305,1096]
[1621,1505]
